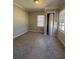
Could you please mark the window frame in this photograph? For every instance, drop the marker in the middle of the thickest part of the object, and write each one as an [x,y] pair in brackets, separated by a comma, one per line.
[60,29]
[40,20]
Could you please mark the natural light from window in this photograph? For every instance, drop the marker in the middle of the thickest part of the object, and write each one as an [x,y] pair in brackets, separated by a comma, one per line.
[40,20]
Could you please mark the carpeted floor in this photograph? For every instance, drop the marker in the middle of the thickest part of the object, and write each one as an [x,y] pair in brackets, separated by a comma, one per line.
[33,45]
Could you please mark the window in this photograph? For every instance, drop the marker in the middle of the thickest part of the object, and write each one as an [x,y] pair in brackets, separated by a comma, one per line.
[40,20]
[62,21]
[61,26]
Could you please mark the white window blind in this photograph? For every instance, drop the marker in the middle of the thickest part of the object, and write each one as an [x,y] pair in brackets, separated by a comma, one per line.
[40,20]
[62,20]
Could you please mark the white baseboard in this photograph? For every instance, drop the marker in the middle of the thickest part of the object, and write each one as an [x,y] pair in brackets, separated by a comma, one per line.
[35,31]
[19,34]
[61,37]
[24,32]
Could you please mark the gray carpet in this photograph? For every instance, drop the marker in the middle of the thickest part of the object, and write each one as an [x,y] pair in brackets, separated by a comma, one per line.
[33,45]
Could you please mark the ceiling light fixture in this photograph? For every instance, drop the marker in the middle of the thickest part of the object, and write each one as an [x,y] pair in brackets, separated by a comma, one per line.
[36,1]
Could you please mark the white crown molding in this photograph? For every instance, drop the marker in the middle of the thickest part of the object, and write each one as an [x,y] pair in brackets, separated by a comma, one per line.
[18,5]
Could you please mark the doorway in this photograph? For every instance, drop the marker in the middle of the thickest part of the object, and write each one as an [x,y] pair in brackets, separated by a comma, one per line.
[51,24]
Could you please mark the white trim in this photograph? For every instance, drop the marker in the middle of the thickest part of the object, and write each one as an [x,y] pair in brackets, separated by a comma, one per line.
[18,5]
[61,37]
[35,31]
[19,34]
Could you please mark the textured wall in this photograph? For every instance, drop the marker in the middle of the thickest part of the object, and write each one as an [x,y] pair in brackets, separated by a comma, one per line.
[60,34]
[33,21]
[62,15]
[20,21]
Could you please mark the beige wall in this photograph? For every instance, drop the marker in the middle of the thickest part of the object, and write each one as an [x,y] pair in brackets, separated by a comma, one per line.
[33,21]
[62,15]
[61,35]
[20,21]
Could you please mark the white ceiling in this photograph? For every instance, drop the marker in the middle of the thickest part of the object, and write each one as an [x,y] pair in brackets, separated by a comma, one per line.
[30,6]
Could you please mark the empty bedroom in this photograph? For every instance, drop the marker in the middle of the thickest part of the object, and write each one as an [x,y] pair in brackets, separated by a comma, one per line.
[38,29]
